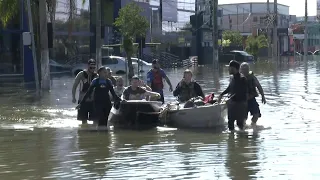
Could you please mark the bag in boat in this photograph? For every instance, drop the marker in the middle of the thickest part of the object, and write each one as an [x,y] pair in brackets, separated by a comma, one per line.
[209,99]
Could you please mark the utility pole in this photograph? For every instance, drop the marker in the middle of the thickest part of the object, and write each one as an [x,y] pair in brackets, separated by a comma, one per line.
[98,33]
[215,32]
[44,61]
[268,29]
[238,17]
[33,45]
[275,30]
[305,42]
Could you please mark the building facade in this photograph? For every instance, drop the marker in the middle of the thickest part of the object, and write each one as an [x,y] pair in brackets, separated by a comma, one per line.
[252,19]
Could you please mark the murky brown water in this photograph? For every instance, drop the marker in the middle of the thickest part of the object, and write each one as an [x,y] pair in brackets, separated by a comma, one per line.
[41,140]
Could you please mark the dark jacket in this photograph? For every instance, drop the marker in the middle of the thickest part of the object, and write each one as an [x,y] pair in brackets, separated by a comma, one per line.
[187,91]
[238,87]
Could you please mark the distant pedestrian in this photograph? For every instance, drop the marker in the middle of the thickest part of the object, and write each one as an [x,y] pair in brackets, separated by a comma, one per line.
[155,79]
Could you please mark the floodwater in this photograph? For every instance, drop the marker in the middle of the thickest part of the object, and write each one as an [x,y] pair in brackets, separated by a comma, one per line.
[40,139]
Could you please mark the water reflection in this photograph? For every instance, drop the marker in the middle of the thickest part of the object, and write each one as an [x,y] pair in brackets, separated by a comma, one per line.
[242,156]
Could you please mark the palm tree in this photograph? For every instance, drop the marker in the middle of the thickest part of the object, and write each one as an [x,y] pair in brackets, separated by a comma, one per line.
[41,10]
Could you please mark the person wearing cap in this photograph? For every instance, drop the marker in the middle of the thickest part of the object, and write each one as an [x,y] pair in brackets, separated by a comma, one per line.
[253,85]
[238,89]
[109,75]
[84,78]
[101,87]
[187,88]
[136,92]
[155,79]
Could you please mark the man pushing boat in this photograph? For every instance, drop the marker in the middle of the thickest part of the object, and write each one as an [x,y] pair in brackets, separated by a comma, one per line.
[253,84]
[238,89]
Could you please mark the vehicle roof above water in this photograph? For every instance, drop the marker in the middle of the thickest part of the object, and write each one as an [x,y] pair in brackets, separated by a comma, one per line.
[241,52]
[117,57]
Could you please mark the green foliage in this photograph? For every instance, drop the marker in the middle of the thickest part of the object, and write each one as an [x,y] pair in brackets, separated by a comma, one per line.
[8,9]
[234,36]
[224,42]
[255,43]
[131,24]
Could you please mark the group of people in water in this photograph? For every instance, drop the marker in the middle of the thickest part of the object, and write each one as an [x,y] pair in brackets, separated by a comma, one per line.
[99,90]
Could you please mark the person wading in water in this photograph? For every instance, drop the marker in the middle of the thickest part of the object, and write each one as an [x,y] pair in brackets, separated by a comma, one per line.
[187,88]
[238,89]
[84,78]
[101,87]
[253,85]
[155,79]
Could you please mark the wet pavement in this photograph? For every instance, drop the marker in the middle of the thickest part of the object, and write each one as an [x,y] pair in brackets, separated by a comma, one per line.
[40,139]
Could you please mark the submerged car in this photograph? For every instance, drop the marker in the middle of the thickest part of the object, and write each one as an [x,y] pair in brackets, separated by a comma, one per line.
[143,65]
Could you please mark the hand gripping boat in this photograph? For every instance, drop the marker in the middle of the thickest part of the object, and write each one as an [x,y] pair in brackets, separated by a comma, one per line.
[135,114]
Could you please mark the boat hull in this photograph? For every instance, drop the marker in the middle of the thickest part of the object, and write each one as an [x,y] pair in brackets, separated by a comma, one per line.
[208,116]
[135,115]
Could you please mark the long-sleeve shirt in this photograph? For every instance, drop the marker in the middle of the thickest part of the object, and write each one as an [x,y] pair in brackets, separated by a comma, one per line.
[101,89]
[238,87]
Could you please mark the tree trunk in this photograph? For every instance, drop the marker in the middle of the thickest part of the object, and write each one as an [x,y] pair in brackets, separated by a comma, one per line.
[45,68]
[98,34]
[130,67]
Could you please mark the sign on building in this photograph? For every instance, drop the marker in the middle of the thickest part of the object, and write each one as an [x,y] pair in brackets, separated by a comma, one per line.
[170,10]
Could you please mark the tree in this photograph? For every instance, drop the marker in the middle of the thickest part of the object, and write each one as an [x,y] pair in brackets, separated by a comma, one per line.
[40,12]
[131,24]
[255,43]
[224,43]
[234,36]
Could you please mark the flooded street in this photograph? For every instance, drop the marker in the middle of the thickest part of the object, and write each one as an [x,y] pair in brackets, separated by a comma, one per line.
[40,139]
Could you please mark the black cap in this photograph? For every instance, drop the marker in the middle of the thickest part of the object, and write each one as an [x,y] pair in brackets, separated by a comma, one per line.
[234,64]
[155,61]
[91,62]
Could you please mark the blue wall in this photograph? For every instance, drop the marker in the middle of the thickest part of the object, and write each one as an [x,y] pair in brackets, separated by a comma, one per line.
[27,51]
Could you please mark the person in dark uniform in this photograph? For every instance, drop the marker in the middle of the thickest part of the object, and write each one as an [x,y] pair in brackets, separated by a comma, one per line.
[102,104]
[84,78]
[238,89]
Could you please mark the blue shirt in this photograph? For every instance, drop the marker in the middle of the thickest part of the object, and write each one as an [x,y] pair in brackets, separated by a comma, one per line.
[150,77]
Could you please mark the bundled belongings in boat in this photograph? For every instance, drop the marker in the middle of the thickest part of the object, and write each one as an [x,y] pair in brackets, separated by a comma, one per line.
[199,101]
[194,102]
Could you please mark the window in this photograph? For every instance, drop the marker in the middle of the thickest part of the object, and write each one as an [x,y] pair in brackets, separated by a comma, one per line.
[255,19]
[108,60]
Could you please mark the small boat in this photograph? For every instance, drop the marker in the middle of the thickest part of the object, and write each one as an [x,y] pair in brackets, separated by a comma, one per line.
[206,116]
[135,114]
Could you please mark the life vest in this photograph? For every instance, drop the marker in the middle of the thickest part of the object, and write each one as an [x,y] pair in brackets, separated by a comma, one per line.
[252,85]
[187,92]
[157,82]
[86,81]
